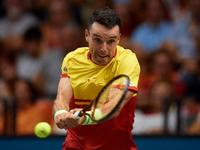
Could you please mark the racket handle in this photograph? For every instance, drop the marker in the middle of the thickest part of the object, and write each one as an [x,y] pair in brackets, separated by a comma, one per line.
[76,115]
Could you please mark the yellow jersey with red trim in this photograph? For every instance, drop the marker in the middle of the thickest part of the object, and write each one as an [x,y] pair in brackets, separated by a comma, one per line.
[87,79]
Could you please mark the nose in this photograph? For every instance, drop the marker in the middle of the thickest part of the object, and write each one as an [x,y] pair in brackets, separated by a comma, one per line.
[104,47]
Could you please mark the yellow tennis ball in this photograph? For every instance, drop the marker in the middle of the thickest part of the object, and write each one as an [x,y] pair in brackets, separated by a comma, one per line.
[42,130]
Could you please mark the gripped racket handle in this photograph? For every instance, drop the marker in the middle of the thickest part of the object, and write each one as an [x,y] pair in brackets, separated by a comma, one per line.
[76,115]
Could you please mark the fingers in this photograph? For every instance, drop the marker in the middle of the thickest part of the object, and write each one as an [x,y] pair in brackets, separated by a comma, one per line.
[60,120]
[71,121]
[66,121]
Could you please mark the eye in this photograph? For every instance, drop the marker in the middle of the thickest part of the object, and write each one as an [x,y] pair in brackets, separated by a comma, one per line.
[111,41]
[97,40]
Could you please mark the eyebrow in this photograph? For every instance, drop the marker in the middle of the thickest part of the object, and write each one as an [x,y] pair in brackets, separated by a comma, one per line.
[115,37]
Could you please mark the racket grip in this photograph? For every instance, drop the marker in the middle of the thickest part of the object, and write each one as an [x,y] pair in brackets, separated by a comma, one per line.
[76,115]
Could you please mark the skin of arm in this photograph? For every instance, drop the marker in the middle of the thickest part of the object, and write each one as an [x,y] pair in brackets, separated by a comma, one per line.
[128,96]
[65,120]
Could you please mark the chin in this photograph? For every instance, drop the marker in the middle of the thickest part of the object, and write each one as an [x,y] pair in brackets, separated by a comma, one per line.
[101,63]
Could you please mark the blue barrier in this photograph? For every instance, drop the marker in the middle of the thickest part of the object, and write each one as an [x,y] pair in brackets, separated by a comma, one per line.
[167,143]
[143,143]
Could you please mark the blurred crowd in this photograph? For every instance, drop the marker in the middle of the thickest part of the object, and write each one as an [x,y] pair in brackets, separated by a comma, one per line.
[35,36]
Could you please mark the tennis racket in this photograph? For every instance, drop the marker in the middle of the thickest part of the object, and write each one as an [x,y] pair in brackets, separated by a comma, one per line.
[108,100]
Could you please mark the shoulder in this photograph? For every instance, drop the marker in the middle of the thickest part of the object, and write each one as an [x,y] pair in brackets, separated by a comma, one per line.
[126,58]
[78,54]
[125,54]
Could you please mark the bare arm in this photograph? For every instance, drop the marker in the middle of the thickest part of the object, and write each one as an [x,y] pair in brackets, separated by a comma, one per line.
[124,102]
[65,120]
[64,95]
[128,96]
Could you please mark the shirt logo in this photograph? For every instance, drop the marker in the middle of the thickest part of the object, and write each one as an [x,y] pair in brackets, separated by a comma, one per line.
[91,79]
[125,81]
[65,69]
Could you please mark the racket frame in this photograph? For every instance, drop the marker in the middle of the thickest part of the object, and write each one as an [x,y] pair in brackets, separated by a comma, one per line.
[94,103]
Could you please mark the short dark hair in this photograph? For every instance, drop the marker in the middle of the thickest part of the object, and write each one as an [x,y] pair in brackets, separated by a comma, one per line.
[105,16]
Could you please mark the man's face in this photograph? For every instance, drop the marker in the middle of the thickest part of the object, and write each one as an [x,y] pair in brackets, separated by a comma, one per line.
[102,42]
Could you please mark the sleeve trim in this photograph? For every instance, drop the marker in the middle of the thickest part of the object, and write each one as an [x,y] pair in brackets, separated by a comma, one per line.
[133,88]
[64,76]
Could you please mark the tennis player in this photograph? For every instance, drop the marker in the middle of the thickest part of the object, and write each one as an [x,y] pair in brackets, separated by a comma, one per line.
[84,72]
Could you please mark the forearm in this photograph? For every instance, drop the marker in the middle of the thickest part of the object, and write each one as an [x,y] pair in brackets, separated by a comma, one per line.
[124,102]
[58,105]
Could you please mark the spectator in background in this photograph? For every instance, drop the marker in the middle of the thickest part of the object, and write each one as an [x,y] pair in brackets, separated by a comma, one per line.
[37,8]
[128,21]
[13,25]
[189,74]
[29,61]
[29,109]
[149,36]
[8,77]
[194,128]
[161,96]
[190,104]
[186,32]
[58,15]
[190,108]
[40,64]
[70,38]
[160,67]
[178,9]
[50,73]
[76,8]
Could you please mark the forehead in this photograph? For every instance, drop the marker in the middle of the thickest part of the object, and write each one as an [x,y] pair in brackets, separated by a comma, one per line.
[101,30]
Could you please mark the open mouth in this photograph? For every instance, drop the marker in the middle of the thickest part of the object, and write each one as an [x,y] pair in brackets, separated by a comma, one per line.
[102,56]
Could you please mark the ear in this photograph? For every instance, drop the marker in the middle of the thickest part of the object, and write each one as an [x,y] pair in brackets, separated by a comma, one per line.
[119,39]
[86,35]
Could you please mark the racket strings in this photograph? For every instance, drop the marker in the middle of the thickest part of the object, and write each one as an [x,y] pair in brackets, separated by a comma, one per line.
[110,98]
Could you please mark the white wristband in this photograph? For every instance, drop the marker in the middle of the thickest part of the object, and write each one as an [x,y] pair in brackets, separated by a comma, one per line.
[59,112]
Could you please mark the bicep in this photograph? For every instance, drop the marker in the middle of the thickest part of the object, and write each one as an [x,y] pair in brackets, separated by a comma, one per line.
[64,95]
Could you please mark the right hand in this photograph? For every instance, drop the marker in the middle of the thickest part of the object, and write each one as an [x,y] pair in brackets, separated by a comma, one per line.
[66,120]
